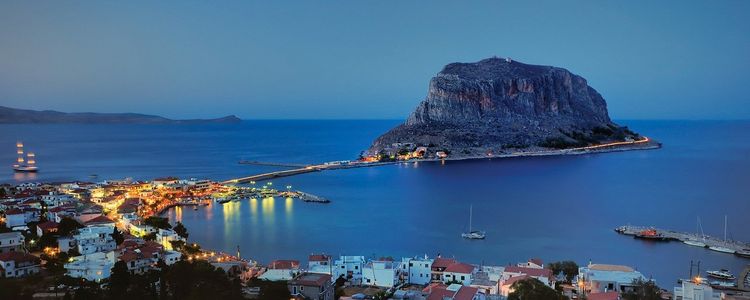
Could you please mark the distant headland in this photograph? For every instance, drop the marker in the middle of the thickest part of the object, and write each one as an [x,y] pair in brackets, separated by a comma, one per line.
[498,107]
[25,116]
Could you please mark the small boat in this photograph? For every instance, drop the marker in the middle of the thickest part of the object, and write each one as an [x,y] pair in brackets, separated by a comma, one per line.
[721,274]
[722,249]
[650,234]
[694,243]
[743,252]
[195,207]
[473,234]
[722,284]
[223,200]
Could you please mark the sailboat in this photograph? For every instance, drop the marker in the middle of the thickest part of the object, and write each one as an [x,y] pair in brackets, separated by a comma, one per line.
[27,165]
[473,234]
[695,242]
[722,248]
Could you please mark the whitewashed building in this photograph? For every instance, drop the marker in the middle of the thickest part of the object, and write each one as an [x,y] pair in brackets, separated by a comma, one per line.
[92,267]
[416,270]
[11,241]
[599,278]
[165,237]
[382,273]
[350,267]
[458,272]
[281,270]
[695,289]
[18,264]
[319,263]
[94,239]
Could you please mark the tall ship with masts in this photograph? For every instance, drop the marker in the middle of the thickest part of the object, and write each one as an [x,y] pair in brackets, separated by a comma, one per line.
[27,164]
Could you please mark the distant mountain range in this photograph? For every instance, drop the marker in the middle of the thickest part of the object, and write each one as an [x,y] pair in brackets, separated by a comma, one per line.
[14,116]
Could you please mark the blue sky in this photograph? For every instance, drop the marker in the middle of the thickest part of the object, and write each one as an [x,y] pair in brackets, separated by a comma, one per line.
[364,59]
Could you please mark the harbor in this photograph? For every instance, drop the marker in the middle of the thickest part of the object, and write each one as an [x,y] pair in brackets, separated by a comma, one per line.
[737,248]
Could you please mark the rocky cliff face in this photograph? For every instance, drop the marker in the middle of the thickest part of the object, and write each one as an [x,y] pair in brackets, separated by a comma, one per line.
[497,104]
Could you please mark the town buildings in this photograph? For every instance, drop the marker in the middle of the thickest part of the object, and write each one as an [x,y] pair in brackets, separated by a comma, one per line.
[599,278]
[18,264]
[416,270]
[11,242]
[382,272]
[94,239]
[314,286]
[281,270]
[93,267]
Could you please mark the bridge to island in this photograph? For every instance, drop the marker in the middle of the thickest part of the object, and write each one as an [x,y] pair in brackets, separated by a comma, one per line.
[642,144]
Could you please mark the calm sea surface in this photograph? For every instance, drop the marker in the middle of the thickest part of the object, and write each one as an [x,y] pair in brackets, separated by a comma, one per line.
[550,207]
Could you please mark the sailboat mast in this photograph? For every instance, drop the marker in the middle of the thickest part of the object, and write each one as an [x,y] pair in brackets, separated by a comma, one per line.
[471,212]
[725,228]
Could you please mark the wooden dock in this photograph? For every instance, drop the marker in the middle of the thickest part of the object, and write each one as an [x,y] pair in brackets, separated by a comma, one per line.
[671,235]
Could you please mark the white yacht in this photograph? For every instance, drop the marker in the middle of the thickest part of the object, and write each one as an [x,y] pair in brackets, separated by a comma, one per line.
[473,234]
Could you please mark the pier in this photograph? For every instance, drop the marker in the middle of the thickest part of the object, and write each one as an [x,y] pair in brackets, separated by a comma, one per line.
[272,164]
[271,175]
[727,246]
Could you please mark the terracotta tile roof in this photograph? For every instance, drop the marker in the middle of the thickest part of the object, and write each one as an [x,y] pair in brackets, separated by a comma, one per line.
[466,293]
[284,264]
[13,211]
[311,279]
[318,257]
[536,261]
[99,220]
[460,268]
[603,296]
[46,226]
[443,262]
[514,279]
[441,292]
[18,257]
[534,272]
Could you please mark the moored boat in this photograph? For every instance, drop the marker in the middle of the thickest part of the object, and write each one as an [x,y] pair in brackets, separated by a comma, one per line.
[694,243]
[721,274]
[473,234]
[743,252]
[650,234]
[722,249]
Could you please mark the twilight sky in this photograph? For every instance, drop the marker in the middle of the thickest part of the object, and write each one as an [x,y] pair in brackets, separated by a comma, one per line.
[364,59]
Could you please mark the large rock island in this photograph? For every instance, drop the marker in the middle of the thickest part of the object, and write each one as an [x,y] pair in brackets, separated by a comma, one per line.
[499,106]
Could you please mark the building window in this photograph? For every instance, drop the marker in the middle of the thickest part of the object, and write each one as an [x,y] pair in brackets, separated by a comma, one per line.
[462,278]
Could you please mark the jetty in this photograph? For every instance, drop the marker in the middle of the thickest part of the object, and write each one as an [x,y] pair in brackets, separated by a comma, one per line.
[271,175]
[728,246]
[307,197]
[271,164]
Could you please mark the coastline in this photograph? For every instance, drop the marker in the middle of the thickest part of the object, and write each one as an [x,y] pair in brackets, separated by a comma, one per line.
[644,144]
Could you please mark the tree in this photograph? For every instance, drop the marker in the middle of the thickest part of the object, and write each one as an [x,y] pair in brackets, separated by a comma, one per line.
[157,222]
[570,268]
[643,290]
[67,225]
[532,288]
[181,230]
[117,235]
[119,280]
